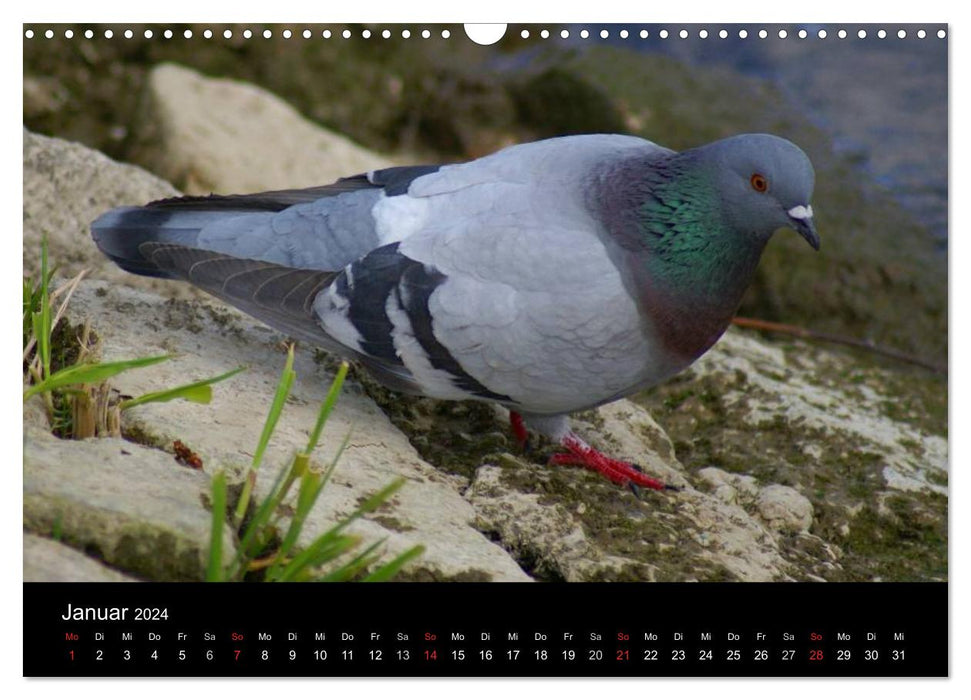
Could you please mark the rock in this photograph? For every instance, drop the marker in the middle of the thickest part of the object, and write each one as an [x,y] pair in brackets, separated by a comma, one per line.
[212,135]
[66,187]
[785,509]
[46,560]
[806,439]
[207,340]
[133,506]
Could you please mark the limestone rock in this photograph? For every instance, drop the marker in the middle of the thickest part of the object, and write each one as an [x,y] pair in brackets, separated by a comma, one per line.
[133,506]
[214,135]
[66,187]
[47,560]
[207,340]
[784,508]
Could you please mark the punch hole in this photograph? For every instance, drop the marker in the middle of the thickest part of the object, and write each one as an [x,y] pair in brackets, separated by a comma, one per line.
[485,34]
[624,33]
[247,34]
[584,34]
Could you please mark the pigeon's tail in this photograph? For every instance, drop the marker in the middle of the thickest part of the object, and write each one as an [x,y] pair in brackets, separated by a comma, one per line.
[120,234]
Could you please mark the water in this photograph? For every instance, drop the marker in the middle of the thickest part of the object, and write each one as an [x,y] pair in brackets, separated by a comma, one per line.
[883,101]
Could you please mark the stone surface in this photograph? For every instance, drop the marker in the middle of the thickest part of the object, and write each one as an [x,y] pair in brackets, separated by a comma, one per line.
[207,340]
[785,509]
[215,135]
[132,506]
[569,524]
[46,560]
[804,437]
[66,187]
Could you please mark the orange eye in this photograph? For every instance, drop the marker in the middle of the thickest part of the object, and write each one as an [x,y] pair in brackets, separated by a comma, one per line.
[759,182]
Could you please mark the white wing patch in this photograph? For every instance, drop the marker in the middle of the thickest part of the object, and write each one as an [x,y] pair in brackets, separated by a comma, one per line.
[396,218]
[433,382]
[332,309]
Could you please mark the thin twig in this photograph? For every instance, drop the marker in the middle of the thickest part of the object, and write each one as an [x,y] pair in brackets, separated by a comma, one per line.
[799,332]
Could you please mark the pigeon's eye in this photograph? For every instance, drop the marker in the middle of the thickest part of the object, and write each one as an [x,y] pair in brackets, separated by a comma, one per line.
[759,182]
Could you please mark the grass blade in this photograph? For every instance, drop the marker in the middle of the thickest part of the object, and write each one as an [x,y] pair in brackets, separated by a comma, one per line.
[215,569]
[327,407]
[89,373]
[197,392]
[42,321]
[279,399]
[391,569]
[356,565]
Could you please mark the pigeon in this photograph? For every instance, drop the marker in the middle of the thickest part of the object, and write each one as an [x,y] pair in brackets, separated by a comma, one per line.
[549,277]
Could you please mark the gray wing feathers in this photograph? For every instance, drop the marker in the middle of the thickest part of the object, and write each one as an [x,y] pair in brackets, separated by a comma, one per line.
[279,296]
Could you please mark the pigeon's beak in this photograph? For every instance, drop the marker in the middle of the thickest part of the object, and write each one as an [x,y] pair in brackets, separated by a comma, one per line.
[801,219]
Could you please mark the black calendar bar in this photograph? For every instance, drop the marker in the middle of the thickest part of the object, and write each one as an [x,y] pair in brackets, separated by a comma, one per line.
[455,629]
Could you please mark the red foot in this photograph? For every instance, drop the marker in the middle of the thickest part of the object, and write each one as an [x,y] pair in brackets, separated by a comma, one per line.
[623,473]
[519,429]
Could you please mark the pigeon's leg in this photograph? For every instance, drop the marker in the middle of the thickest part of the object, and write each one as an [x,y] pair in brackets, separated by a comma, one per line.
[583,455]
[519,430]
[623,473]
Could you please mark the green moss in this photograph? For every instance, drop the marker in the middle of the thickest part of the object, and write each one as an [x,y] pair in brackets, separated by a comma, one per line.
[841,473]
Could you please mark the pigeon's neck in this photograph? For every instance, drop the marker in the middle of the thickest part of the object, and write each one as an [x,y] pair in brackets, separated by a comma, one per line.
[685,264]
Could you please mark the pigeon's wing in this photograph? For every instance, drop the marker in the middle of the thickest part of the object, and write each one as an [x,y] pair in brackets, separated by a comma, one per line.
[322,228]
[282,297]
[480,299]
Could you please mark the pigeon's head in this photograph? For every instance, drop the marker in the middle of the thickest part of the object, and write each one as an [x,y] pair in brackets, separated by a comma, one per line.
[765,183]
